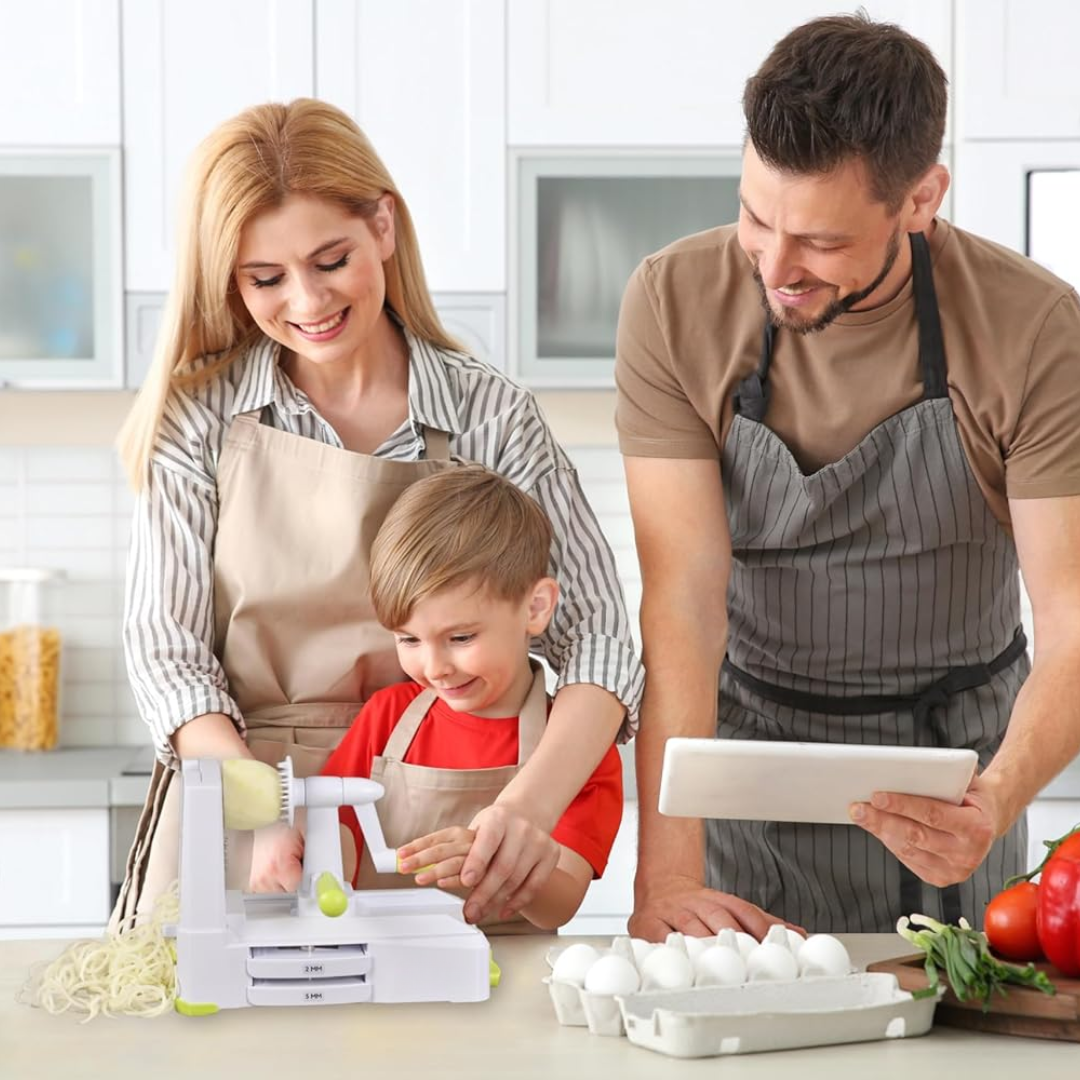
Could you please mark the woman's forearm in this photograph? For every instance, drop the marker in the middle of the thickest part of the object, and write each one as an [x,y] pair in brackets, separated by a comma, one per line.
[212,735]
[581,728]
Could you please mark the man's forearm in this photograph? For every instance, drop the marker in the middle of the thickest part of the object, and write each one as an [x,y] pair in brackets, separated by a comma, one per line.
[680,701]
[1043,734]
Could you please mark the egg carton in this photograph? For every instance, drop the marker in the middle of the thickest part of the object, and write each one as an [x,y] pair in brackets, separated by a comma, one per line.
[752,1017]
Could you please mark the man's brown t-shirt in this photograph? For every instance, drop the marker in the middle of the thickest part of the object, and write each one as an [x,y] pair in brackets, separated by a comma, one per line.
[691,324]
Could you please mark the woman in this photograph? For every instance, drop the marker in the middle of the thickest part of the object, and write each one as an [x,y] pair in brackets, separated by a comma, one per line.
[302,380]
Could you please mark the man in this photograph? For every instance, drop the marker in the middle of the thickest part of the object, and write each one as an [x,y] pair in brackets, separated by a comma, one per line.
[837,492]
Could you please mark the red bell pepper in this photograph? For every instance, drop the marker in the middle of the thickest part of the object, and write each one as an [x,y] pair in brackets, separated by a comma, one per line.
[1058,915]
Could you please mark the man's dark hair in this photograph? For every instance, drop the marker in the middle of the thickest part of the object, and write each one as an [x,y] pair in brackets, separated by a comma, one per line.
[845,87]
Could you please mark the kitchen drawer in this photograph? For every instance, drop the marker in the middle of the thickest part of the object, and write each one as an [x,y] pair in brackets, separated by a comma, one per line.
[54,867]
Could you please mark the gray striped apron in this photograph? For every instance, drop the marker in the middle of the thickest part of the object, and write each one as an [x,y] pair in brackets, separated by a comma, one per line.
[874,601]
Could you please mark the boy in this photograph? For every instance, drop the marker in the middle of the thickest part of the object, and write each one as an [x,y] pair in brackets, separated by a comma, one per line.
[459,575]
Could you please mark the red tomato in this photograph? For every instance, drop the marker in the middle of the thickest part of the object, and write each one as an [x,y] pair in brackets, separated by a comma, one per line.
[1010,922]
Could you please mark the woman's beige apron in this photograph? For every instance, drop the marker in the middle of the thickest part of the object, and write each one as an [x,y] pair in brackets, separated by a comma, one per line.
[420,799]
[294,627]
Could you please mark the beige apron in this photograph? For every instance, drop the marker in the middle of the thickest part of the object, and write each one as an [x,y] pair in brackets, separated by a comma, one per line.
[294,627]
[420,799]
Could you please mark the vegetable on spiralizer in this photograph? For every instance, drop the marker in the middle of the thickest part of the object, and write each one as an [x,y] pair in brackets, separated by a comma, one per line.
[963,955]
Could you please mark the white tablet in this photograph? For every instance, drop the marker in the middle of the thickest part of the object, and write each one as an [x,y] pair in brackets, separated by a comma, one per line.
[756,780]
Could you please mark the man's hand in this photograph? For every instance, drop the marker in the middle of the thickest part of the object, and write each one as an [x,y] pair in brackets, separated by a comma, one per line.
[277,859]
[510,861]
[437,859]
[687,906]
[941,843]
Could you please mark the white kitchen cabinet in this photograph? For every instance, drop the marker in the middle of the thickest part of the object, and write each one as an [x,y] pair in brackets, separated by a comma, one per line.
[991,185]
[1016,64]
[642,73]
[187,67]
[425,79]
[54,868]
[477,321]
[60,74]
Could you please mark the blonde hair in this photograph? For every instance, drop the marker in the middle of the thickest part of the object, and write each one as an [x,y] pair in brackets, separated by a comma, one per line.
[249,164]
[460,524]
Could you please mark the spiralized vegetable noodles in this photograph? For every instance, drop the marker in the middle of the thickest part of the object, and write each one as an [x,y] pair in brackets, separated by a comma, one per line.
[131,971]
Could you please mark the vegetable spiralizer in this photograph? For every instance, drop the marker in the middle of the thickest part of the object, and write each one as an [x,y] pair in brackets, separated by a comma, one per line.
[326,943]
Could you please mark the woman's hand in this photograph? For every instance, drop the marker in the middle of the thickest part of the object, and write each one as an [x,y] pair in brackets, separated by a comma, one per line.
[277,859]
[437,859]
[510,860]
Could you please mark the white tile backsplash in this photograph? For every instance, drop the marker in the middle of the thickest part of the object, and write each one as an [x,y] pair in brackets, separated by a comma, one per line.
[69,509]
[58,509]
[68,499]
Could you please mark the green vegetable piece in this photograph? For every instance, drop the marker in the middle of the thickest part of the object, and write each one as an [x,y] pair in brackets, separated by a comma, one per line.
[195,1008]
[330,895]
[963,953]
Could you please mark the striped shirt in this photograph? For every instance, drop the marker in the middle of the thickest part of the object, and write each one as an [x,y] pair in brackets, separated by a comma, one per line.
[169,605]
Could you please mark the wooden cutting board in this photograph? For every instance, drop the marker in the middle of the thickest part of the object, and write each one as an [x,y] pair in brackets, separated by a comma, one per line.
[1022,1012]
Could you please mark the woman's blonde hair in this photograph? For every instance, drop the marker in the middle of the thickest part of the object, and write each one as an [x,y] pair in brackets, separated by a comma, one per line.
[245,166]
[464,523]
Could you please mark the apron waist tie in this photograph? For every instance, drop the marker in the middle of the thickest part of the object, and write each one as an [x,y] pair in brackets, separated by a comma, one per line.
[937,693]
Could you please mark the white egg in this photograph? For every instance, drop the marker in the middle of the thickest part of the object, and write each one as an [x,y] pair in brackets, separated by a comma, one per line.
[641,948]
[719,965]
[573,962]
[695,946]
[822,954]
[667,968]
[746,943]
[612,975]
[771,963]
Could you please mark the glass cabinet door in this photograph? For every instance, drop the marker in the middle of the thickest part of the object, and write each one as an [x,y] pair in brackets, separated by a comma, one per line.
[61,291]
[584,224]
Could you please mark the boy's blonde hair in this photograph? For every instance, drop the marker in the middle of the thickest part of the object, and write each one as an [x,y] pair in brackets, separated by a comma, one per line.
[462,523]
[245,166]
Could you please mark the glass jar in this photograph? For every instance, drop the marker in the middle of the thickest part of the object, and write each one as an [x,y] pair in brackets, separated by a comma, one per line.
[29,662]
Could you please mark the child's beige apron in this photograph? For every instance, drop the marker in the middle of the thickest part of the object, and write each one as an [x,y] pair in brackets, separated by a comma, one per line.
[420,799]
[294,627]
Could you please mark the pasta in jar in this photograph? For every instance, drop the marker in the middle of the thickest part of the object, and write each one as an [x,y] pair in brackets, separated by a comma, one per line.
[29,671]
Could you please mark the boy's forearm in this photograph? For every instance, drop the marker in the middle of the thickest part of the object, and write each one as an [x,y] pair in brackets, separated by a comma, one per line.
[557,902]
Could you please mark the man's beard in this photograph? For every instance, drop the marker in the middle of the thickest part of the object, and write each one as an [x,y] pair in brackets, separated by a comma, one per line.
[837,307]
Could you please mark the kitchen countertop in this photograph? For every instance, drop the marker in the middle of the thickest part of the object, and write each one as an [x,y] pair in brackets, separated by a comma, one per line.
[515,1034]
[84,777]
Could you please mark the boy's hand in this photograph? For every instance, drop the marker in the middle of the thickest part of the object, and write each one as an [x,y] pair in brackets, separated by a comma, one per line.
[510,860]
[437,859]
[277,855]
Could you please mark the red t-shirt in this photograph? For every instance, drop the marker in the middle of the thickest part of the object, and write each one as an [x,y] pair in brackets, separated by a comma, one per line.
[453,740]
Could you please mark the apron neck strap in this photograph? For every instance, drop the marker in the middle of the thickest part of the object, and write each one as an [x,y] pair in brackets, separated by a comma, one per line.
[531,721]
[436,445]
[931,341]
